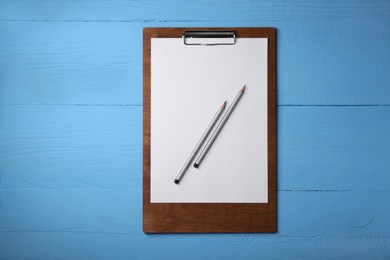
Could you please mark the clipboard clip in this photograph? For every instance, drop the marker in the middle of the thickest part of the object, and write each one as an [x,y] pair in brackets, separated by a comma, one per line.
[209,38]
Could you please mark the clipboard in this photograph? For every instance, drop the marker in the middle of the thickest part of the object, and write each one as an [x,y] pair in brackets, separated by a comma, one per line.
[173,59]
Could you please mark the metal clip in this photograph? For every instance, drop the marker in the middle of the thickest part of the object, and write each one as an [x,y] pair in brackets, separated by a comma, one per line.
[209,38]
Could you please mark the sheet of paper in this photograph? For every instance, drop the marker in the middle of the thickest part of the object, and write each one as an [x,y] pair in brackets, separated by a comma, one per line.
[188,85]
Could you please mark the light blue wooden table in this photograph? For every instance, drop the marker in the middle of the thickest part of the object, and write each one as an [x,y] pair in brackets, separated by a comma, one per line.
[71,129]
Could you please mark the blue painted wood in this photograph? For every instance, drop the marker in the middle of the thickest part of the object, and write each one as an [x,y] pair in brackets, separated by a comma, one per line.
[70,63]
[71,129]
[348,214]
[71,147]
[333,148]
[101,63]
[195,11]
[251,246]
[87,147]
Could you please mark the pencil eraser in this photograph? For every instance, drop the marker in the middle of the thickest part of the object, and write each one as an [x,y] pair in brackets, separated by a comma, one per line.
[196,165]
[176,181]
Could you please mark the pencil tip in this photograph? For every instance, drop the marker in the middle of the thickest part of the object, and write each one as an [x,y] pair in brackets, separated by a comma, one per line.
[196,165]
[243,88]
[223,104]
[176,181]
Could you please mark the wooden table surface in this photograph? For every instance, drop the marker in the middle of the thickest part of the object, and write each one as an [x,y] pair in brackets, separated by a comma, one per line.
[71,129]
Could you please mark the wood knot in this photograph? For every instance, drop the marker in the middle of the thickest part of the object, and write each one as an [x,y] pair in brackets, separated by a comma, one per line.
[362,218]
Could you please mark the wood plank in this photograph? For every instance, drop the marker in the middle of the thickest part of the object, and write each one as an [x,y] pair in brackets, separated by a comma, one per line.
[329,53]
[333,148]
[354,214]
[333,63]
[77,169]
[70,147]
[48,245]
[84,147]
[70,63]
[66,210]
[199,11]
[323,63]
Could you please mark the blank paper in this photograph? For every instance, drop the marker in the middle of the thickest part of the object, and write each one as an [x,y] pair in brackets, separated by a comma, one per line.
[188,84]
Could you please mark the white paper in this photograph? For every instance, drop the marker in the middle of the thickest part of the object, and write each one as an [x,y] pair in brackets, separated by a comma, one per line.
[188,85]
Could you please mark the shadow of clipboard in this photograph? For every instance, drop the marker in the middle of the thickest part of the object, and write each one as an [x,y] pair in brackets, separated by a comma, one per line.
[183,213]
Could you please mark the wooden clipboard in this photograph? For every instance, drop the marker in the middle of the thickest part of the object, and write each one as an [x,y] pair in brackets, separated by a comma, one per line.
[209,217]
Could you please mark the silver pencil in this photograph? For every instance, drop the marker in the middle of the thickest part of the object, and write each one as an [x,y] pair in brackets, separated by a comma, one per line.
[219,127]
[200,142]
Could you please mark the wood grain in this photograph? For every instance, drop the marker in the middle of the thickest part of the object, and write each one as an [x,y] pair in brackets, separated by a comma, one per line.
[85,245]
[210,217]
[199,11]
[70,132]
[311,214]
[101,63]
[319,147]
[70,63]
[70,147]
[87,147]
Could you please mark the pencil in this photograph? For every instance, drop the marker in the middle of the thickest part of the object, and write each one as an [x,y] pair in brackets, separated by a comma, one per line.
[200,142]
[219,127]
